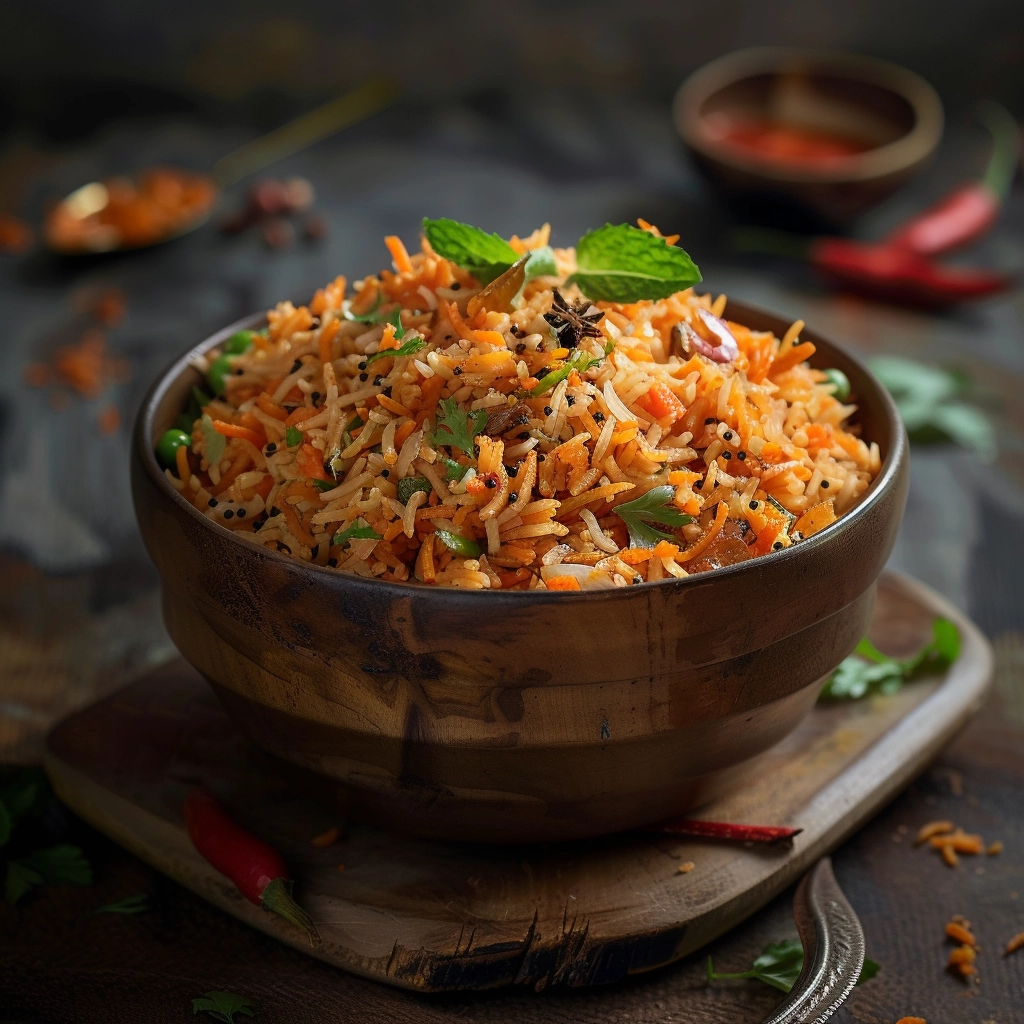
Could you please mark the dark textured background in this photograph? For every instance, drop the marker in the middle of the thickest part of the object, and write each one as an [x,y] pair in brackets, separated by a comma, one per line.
[512,114]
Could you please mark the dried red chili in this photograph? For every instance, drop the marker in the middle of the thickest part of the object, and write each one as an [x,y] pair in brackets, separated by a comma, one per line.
[254,866]
[971,209]
[726,830]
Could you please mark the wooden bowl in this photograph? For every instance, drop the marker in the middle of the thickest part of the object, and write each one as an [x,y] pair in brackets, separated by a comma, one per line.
[890,110]
[518,716]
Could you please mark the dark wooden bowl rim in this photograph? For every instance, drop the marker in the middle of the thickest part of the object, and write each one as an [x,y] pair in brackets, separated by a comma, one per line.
[892,458]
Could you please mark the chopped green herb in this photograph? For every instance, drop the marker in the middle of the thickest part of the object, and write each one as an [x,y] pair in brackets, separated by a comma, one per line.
[293,437]
[452,470]
[215,443]
[325,485]
[840,382]
[137,904]
[931,405]
[458,544]
[484,256]
[621,263]
[359,530]
[578,361]
[780,965]
[63,864]
[409,485]
[456,428]
[369,317]
[222,1006]
[411,347]
[868,670]
[653,507]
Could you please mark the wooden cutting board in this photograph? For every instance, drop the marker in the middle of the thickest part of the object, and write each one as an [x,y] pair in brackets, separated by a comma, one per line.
[438,917]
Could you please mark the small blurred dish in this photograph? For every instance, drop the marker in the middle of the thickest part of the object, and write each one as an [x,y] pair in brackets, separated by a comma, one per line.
[807,133]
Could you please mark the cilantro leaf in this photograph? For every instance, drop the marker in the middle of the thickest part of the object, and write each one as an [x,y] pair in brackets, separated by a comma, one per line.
[411,347]
[457,428]
[215,443]
[293,437]
[484,256]
[621,263]
[222,1006]
[409,485]
[653,507]
[466,547]
[359,530]
[868,670]
[369,317]
[452,470]
[137,904]
[780,965]
[578,361]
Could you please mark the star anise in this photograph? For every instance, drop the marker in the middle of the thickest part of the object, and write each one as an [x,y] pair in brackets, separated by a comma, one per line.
[572,323]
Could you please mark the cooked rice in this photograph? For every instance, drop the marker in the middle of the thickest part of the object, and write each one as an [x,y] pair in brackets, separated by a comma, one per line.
[757,450]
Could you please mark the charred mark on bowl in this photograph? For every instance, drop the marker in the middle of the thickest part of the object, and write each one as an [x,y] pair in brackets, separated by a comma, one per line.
[510,703]
[606,730]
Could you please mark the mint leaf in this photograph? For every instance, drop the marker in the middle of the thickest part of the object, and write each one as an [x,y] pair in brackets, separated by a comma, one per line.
[412,346]
[20,880]
[359,530]
[484,256]
[222,1006]
[621,263]
[780,965]
[541,263]
[215,443]
[653,507]
[457,428]
[64,864]
[293,437]
[136,904]
[868,670]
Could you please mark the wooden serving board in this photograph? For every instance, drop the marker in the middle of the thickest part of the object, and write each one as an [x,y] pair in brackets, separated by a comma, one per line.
[438,917]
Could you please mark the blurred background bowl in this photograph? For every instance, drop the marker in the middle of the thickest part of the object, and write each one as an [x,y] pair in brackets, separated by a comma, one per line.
[518,716]
[891,118]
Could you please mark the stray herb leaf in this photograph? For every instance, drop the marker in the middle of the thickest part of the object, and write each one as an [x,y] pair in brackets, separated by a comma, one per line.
[456,428]
[137,904]
[357,531]
[325,485]
[53,865]
[622,263]
[780,965]
[411,347]
[653,507]
[222,1006]
[867,670]
[215,443]
[484,256]
[293,437]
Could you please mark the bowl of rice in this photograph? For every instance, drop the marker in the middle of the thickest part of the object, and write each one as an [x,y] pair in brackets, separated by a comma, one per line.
[516,543]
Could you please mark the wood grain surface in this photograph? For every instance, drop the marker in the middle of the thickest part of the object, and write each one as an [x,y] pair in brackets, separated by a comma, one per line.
[438,917]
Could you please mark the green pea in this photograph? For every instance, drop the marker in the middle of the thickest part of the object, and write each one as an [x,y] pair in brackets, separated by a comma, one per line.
[219,369]
[168,445]
[240,342]
[458,544]
[841,382]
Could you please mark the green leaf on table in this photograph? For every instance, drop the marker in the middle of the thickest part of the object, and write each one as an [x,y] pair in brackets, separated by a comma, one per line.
[63,864]
[137,904]
[931,404]
[653,507]
[780,965]
[622,263]
[222,1006]
[484,256]
[19,881]
[456,427]
[868,670]
[215,443]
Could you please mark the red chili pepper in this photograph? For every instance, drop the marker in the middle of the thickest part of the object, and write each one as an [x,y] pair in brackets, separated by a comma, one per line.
[256,868]
[970,210]
[882,271]
[724,830]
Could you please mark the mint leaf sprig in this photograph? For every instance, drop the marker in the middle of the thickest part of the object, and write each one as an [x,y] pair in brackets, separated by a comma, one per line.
[222,1006]
[457,428]
[780,965]
[869,671]
[653,507]
[615,263]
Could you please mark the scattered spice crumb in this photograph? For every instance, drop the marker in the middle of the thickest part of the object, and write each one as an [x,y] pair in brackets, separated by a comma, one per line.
[686,867]
[109,420]
[15,234]
[933,828]
[959,929]
[328,838]
[1017,942]
[961,961]
[994,848]
[911,1020]
[949,856]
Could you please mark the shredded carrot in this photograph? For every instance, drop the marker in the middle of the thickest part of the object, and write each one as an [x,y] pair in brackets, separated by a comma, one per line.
[299,415]
[816,518]
[794,356]
[1017,942]
[563,583]
[661,403]
[295,524]
[326,340]
[399,254]
[328,838]
[310,462]
[181,461]
[715,529]
[396,407]
[933,828]
[234,430]
[404,432]
[960,933]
